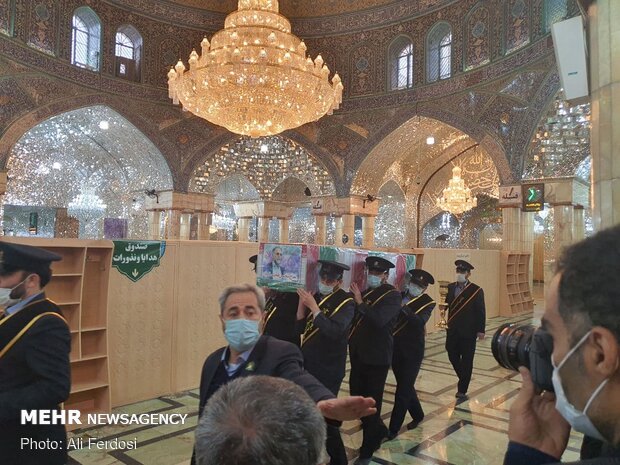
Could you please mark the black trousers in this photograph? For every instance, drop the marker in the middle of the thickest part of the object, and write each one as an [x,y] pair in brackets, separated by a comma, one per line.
[461,350]
[335,446]
[369,381]
[406,368]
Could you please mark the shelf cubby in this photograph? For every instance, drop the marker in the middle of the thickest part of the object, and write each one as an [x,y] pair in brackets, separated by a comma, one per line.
[93,343]
[515,294]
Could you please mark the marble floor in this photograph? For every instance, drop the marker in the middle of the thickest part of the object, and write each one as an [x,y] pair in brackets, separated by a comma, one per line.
[463,432]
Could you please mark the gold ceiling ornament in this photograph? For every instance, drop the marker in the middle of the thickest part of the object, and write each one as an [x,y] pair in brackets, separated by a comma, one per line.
[254,77]
[457,196]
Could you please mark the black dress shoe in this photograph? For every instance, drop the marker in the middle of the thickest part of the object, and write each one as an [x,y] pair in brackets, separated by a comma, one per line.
[413,424]
[461,395]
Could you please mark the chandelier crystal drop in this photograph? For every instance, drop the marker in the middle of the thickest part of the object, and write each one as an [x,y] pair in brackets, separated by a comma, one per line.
[254,77]
[457,197]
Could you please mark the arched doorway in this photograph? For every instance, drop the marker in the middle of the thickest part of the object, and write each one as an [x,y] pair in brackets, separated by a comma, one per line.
[89,165]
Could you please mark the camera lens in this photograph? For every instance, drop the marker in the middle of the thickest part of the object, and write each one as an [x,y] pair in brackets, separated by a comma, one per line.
[516,345]
[511,345]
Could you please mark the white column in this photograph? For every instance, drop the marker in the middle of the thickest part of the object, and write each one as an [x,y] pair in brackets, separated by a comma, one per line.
[511,223]
[320,222]
[368,232]
[263,229]
[243,225]
[204,224]
[348,228]
[154,224]
[283,224]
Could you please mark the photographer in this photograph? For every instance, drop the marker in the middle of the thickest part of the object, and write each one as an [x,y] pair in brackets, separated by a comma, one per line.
[581,316]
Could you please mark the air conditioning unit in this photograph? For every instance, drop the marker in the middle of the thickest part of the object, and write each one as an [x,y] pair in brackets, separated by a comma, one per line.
[569,43]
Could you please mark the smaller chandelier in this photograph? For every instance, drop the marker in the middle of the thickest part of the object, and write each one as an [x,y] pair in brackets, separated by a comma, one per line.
[457,197]
[254,77]
[87,207]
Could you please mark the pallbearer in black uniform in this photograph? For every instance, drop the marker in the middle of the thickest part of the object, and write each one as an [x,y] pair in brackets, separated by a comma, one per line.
[370,347]
[280,313]
[409,336]
[466,323]
[35,343]
[324,321]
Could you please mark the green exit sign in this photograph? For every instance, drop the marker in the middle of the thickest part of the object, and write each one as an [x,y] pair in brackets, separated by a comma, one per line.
[533,197]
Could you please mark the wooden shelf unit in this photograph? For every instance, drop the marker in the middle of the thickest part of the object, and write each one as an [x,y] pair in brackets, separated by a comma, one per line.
[79,286]
[515,295]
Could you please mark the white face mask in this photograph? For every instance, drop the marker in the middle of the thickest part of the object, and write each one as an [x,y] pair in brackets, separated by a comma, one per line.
[5,294]
[5,298]
[461,278]
[324,289]
[578,420]
[414,290]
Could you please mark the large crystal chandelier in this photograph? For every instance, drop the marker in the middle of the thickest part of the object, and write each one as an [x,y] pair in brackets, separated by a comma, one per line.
[254,78]
[457,197]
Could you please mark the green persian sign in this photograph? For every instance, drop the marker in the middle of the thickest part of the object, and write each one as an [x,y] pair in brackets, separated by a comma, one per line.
[134,259]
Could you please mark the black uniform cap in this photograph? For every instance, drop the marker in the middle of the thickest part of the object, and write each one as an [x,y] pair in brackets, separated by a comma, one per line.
[421,277]
[253,259]
[18,257]
[378,264]
[462,265]
[332,270]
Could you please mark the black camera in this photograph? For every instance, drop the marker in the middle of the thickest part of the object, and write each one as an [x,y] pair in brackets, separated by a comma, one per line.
[515,345]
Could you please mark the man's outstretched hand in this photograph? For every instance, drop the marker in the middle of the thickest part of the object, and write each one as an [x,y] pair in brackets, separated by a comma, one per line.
[347,408]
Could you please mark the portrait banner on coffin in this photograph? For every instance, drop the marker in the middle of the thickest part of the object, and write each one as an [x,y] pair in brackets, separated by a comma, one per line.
[134,259]
[282,267]
[278,266]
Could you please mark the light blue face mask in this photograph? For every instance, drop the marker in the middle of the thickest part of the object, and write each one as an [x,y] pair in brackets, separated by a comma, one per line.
[577,419]
[324,289]
[373,281]
[241,334]
[414,290]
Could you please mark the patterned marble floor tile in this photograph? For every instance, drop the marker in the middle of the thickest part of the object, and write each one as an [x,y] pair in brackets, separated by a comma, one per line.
[471,432]
[471,445]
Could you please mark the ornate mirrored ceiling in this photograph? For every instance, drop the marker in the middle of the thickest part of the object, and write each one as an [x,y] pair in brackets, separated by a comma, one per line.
[266,162]
[92,152]
[406,157]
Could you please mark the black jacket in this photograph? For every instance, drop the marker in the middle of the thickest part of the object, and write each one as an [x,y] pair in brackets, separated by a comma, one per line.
[371,341]
[325,345]
[281,316]
[409,333]
[471,319]
[270,357]
[35,373]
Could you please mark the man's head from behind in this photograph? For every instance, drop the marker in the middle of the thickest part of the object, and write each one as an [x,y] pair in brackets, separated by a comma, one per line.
[260,420]
[583,317]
